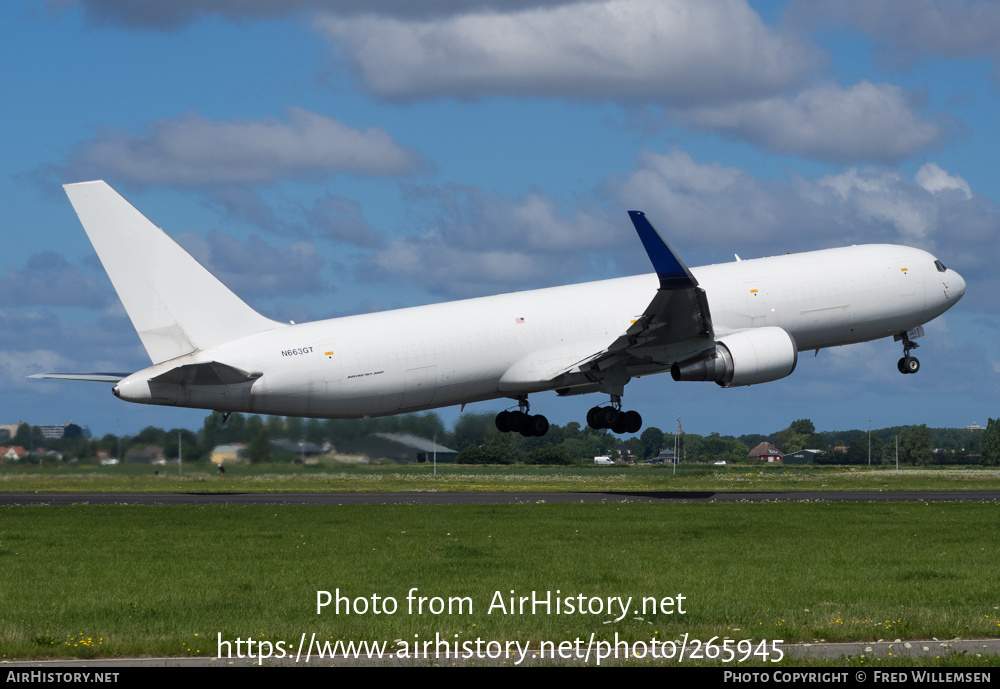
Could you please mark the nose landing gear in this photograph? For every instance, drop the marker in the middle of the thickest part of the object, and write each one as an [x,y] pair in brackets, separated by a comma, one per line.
[908,364]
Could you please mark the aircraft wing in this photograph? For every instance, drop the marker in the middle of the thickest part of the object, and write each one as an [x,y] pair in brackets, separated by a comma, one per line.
[677,323]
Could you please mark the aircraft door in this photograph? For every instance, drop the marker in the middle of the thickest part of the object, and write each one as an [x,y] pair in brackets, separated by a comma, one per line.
[756,304]
[332,366]
[421,383]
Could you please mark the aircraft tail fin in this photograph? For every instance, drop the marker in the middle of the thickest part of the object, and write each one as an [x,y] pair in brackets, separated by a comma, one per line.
[175,304]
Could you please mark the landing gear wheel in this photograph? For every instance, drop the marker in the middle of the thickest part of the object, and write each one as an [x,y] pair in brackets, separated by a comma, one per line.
[516,421]
[607,417]
[592,418]
[912,364]
[901,365]
[633,422]
[502,421]
[536,426]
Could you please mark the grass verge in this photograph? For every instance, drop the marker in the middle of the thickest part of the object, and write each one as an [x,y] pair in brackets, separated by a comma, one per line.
[97,581]
[352,478]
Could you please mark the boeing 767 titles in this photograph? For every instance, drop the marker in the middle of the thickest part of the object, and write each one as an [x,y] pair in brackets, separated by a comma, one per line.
[735,324]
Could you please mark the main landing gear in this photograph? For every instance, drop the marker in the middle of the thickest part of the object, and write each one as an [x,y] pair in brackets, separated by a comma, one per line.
[908,364]
[522,422]
[613,418]
[536,425]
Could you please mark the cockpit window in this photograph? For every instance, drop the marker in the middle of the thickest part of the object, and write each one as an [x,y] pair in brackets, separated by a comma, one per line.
[940,266]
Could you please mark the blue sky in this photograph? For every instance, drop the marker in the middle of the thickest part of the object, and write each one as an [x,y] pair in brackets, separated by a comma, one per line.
[325,161]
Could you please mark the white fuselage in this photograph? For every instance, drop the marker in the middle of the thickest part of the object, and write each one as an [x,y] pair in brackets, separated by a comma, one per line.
[507,345]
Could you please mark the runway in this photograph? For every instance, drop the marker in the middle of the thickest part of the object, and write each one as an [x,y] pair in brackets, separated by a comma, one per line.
[490,498]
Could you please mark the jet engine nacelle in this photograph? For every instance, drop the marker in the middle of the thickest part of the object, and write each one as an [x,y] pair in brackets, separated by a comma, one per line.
[747,358]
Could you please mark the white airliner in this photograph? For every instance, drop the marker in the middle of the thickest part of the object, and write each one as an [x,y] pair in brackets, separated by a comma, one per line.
[736,324]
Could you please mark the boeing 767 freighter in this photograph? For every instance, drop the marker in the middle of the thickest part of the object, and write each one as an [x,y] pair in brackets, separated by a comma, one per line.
[735,324]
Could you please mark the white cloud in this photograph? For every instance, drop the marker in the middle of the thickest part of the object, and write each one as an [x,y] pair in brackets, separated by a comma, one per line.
[868,122]
[49,280]
[471,217]
[433,263]
[678,51]
[947,28]
[934,179]
[697,203]
[479,243]
[15,367]
[710,205]
[192,150]
[255,268]
[341,219]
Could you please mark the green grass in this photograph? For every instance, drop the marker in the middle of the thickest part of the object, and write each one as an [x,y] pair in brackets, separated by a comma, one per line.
[352,478]
[99,581]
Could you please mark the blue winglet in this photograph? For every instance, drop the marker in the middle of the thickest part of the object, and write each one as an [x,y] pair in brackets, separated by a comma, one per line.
[671,270]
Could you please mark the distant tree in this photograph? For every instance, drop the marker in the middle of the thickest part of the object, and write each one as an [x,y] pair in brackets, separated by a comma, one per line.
[259,449]
[275,426]
[990,453]
[315,431]
[550,455]
[914,445]
[802,427]
[652,442]
[254,424]
[294,428]
[151,435]
[576,448]
[799,435]
[572,430]
[497,448]
[471,429]
[23,435]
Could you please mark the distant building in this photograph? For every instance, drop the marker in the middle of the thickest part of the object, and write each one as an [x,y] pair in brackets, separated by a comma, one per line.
[622,454]
[974,427]
[399,447]
[150,454]
[766,452]
[52,431]
[801,457]
[13,454]
[302,449]
[665,457]
[228,454]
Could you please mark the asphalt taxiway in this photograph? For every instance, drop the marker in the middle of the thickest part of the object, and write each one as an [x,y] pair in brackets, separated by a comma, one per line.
[488,498]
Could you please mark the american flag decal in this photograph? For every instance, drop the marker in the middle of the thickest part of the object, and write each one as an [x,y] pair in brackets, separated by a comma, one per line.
[519,321]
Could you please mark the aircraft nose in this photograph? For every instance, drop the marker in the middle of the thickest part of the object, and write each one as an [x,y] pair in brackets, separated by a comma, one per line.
[954,285]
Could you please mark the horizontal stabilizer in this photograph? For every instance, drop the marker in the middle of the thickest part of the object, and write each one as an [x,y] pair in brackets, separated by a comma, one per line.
[93,377]
[210,373]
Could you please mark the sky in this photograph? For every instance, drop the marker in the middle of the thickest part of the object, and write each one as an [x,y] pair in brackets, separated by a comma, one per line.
[327,158]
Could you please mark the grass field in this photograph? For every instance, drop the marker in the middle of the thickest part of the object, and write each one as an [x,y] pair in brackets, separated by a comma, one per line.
[394,477]
[96,581]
